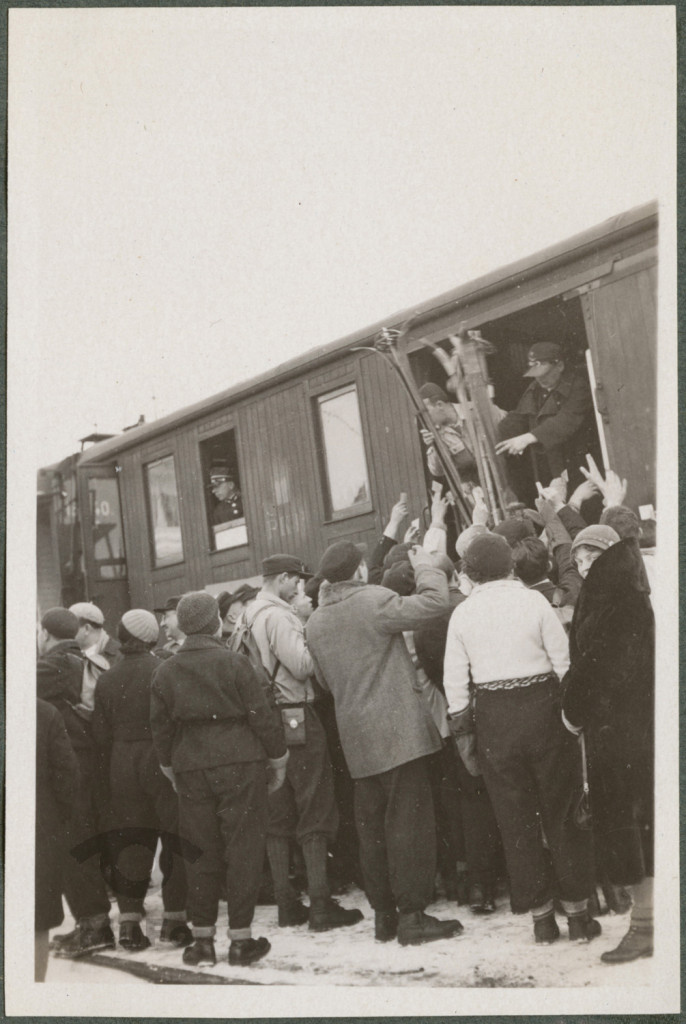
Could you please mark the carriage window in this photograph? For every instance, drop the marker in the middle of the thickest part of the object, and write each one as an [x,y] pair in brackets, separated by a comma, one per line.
[108,538]
[224,504]
[163,508]
[343,445]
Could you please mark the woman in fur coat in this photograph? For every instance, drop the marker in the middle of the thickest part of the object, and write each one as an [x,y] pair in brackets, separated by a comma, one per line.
[609,692]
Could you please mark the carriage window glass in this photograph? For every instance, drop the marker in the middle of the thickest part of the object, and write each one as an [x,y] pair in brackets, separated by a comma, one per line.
[163,508]
[224,498]
[345,461]
[108,537]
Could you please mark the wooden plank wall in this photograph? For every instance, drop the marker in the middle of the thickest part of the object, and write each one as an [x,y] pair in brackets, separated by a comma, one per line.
[622,321]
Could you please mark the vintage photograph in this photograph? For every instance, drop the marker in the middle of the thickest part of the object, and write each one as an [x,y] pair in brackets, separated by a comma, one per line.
[341,419]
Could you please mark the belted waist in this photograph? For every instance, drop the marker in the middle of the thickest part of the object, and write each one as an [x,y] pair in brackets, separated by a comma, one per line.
[296,704]
[515,684]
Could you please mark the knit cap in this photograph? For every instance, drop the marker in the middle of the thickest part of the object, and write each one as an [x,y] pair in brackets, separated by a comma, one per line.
[198,612]
[515,530]
[488,557]
[400,578]
[339,561]
[467,536]
[60,623]
[141,624]
[596,536]
[89,612]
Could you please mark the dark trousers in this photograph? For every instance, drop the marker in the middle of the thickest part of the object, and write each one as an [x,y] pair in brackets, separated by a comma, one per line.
[142,798]
[397,831]
[344,851]
[482,843]
[305,805]
[82,881]
[532,770]
[223,812]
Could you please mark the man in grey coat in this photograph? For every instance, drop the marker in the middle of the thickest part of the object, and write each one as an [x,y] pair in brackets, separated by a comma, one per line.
[356,640]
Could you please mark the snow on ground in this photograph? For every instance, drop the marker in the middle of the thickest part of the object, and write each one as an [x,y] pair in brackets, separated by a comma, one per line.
[497,951]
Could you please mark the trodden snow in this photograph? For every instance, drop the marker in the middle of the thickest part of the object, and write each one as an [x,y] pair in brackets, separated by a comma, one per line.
[497,951]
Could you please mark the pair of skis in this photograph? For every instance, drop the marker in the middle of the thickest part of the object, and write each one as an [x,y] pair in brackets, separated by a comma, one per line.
[467,369]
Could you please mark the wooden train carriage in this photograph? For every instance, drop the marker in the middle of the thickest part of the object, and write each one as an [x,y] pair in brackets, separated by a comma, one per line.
[321,447]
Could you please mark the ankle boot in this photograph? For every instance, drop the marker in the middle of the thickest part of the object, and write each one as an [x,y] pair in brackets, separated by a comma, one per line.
[418,927]
[385,925]
[481,899]
[637,943]
[292,912]
[326,913]
[201,953]
[583,927]
[176,932]
[545,929]
[131,937]
[246,951]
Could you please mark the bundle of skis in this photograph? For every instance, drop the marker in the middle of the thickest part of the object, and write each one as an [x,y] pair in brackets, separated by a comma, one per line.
[465,367]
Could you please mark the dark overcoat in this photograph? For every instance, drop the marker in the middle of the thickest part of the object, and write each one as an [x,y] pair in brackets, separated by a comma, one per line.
[610,691]
[57,783]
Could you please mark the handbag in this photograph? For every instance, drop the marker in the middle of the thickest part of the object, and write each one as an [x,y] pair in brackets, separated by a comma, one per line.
[583,817]
[293,720]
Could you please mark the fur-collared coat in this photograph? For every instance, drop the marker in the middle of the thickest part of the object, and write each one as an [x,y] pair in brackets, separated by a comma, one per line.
[610,691]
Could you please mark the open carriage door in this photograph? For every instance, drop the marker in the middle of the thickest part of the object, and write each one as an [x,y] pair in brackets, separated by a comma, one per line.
[621,322]
[103,542]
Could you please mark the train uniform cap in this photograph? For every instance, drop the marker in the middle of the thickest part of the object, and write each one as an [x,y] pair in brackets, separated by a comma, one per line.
[142,624]
[198,612]
[432,393]
[219,472]
[542,352]
[596,536]
[276,564]
[489,556]
[340,560]
[89,612]
[170,606]
[60,623]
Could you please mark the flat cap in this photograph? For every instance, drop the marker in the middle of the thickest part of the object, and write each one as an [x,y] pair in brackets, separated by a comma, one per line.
[275,564]
[88,611]
[170,606]
[60,623]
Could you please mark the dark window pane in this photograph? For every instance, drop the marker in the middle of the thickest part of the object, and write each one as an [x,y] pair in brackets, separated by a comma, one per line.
[108,538]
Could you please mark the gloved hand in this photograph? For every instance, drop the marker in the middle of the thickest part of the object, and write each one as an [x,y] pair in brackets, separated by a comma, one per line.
[276,772]
[462,731]
[169,772]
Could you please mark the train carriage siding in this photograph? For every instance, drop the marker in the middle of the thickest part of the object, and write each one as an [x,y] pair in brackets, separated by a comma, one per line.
[597,288]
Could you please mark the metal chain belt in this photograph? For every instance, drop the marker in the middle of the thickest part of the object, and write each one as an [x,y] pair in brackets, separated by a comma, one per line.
[513,684]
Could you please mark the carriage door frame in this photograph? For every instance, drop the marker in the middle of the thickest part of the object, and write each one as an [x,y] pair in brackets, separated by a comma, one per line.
[110,592]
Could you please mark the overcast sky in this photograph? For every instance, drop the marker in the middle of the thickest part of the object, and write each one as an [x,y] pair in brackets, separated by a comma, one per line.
[199,194]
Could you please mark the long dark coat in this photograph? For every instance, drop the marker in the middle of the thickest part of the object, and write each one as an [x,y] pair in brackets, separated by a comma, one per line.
[610,691]
[57,782]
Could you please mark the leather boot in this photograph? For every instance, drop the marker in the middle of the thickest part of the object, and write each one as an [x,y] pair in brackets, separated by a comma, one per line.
[637,943]
[545,929]
[418,927]
[246,951]
[583,927]
[131,937]
[292,912]
[201,953]
[175,932]
[385,925]
[326,913]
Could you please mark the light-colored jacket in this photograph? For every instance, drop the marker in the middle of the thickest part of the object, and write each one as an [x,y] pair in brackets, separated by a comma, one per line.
[356,640]
[502,631]
[279,634]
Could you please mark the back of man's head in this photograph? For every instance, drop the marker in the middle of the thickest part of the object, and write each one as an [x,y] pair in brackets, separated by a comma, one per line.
[623,521]
[60,624]
[340,561]
[531,561]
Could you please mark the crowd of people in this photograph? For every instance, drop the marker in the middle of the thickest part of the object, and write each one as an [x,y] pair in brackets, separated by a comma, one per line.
[415,721]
